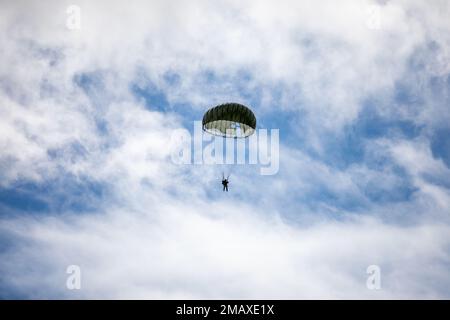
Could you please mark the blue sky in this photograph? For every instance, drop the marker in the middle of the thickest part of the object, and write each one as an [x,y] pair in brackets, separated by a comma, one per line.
[87,178]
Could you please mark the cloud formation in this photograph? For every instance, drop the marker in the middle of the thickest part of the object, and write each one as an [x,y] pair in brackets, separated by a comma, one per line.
[359,91]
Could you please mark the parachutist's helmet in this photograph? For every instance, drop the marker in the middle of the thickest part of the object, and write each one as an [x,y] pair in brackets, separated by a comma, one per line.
[231,120]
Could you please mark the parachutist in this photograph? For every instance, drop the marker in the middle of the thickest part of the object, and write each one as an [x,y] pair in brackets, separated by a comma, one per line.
[225,184]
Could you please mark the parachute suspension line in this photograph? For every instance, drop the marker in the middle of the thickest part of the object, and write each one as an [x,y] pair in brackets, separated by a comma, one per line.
[224,159]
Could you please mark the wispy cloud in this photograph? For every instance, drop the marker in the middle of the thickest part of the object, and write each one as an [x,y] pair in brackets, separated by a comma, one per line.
[359,92]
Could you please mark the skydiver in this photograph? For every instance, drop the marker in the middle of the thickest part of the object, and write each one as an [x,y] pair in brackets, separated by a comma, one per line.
[225,184]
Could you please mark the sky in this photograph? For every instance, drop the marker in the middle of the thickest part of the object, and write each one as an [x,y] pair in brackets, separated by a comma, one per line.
[92,91]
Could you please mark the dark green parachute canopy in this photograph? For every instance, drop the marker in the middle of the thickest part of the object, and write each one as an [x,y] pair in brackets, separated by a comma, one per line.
[231,120]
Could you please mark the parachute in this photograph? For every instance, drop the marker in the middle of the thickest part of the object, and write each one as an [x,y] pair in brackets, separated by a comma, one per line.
[229,120]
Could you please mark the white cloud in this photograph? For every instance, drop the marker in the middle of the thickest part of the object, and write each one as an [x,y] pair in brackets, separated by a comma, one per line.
[161,235]
[222,251]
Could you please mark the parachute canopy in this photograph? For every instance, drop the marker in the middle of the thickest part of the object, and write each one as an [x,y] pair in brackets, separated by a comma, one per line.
[231,120]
